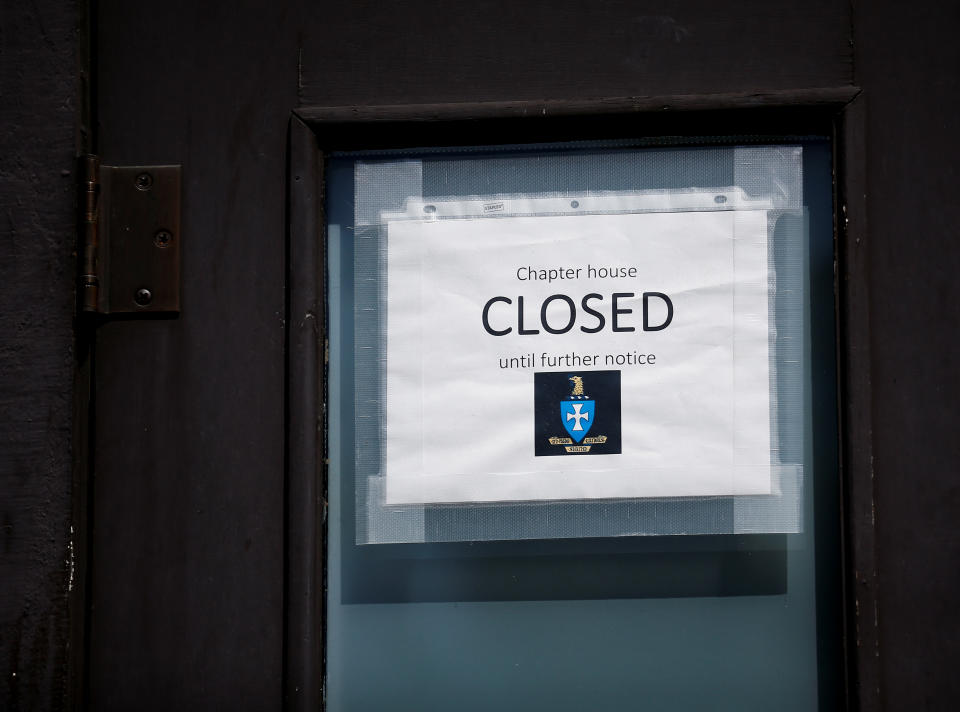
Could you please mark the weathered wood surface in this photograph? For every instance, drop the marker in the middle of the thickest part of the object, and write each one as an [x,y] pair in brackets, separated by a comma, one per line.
[37,144]
[188,495]
[908,62]
[427,52]
[189,501]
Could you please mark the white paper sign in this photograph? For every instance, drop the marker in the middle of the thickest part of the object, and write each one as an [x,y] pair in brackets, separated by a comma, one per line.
[577,357]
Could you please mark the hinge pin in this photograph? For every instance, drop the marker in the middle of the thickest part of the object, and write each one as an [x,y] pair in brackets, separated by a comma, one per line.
[89,281]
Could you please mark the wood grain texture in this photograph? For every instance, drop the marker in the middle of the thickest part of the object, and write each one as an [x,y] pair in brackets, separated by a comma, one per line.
[188,498]
[319,116]
[306,426]
[856,427]
[190,485]
[37,238]
[907,63]
[188,495]
[368,52]
[187,590]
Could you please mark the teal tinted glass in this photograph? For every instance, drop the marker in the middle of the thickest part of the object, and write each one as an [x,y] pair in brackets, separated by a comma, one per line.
[720,620]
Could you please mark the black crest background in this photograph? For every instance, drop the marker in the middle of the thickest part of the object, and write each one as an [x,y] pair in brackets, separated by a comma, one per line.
[552,387]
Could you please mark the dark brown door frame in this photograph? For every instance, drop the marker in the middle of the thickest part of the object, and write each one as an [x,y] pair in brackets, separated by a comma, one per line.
[315,130]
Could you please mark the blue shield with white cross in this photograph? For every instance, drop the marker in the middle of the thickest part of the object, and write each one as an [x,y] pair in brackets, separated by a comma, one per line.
[577,417]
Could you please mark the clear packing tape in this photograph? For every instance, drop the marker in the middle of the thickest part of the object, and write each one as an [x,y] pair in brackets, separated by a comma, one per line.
[604,182]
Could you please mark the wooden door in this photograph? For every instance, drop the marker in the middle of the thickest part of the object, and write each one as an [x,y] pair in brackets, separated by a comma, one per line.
[201,589]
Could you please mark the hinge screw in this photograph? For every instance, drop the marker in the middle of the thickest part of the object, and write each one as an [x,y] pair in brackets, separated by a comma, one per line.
[144,181]
[162,238]
[143,297]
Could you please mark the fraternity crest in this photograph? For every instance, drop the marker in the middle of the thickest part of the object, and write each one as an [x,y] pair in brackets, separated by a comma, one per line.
[589,421]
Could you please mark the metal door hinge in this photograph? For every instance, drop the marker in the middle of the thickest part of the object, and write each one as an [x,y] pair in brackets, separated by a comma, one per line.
[130,241]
